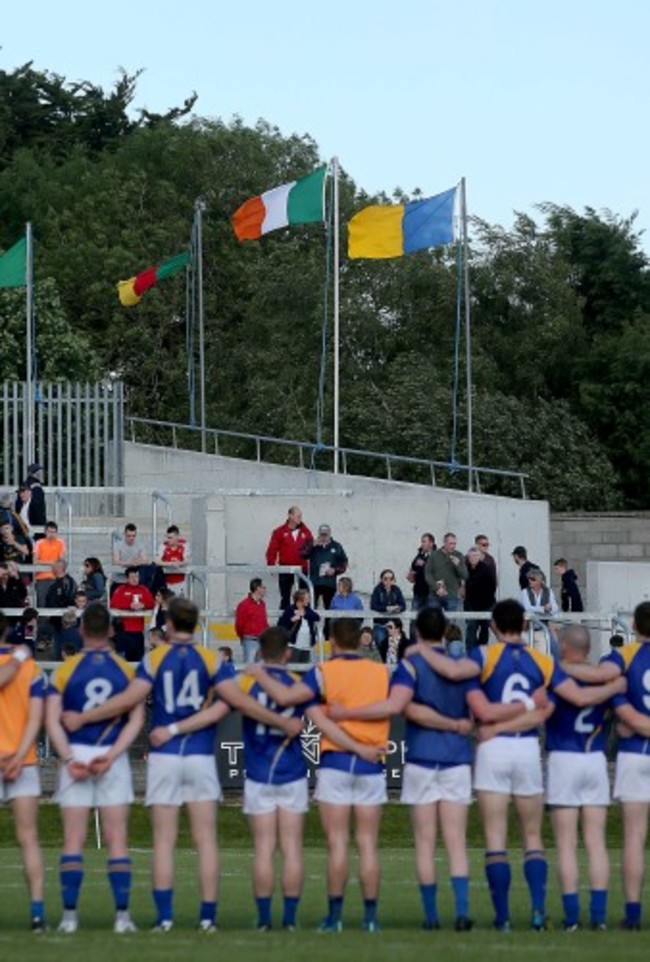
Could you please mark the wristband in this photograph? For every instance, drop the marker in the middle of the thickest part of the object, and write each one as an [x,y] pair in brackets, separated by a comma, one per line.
[530,704]
[173,729]
[20,656]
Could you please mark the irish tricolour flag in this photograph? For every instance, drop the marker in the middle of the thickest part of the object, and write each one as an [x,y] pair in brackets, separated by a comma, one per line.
[299,202]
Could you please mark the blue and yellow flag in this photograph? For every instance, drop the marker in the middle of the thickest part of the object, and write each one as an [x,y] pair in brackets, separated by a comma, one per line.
[384,230]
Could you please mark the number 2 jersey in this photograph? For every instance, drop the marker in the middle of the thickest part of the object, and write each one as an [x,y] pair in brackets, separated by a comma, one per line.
[182,676]
[511,672]
[634,662]
[269,757]
[86,681]
[572,729]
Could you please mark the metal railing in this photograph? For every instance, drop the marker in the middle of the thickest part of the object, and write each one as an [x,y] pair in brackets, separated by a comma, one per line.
[307,454]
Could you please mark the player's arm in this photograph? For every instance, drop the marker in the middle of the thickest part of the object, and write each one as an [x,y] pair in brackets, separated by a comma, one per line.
[14,763]
[430,718]
[592,674]
[521,723]
[637,721]
[395,704]
[136,692]
[593,695]
[54,726]
[454,669]
[204,718]
[487,712]
[128,734]
[9,669]
[236,698]
[343,741]
[282,695]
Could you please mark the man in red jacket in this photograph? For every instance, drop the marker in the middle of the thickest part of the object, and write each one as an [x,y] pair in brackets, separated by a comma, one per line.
[285,548]
[132,597]
[251,619]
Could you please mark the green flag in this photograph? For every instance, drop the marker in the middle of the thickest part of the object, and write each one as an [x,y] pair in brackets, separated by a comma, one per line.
[13,265]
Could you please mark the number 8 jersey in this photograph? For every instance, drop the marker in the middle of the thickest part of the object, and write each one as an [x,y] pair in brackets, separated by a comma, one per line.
[87,680]
[182,676]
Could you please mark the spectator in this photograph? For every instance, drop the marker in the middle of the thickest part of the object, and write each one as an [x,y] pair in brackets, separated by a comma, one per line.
[13,547]
[539,599]
[69,636]
[416,573]
[174,551]
[132,597]
[13,593]
[226,653]
[9,516]
[128,552]
[346,599]
[155,637]
[367,646]
[393,645]
[482,543]
[300,620]
[68,650]
[162,597]
[327,559]
[446,573]
[24,633]
[454,640]
[251,619]
[570,597]
[520,558]
[480,595]
[60,593]
[386,597]
[25,508]
[94,579]
[47,551]
[34,482]
[286,547]
[80,602]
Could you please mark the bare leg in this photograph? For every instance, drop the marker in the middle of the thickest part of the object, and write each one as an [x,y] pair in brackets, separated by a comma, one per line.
[425,829]
[25,811]
[115,820]
[336,825]
[565,830]
[453,822]
[290,826]
[203,824]
[635,828]
[594,821]
[367,820]
[165,831]
[264,832]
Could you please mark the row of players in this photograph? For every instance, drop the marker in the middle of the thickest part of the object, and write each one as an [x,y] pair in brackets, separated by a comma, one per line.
[95,710]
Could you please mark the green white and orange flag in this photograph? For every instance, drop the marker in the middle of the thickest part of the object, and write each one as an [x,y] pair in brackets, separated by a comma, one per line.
[298,202]
[132,290]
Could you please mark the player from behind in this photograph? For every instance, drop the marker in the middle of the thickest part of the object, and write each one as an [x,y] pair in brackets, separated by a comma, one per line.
[347,782]
[22,692]
[95,770]
[510,765]
[181,677]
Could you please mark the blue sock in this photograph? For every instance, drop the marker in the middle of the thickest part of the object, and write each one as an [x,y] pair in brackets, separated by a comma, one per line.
[71,875]
[460,885]
[208,912]
[119,875]
[633,912]
[497,871]
[37,909]
[536,874]
[571,906]
[164,904]
[370,910]
[290,909]
[335,908]
[263,911]
[428,896]
[598,906]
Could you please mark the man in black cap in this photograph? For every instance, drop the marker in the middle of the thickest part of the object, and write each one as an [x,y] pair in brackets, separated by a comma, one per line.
[34,482]
[520,558]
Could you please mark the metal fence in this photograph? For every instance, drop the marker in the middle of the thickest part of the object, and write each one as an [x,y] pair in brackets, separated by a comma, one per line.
[78,432]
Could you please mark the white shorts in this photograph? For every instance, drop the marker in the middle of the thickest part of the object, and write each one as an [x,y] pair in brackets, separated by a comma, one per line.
[346,788]
[423,786]
[114,787]
[175,779]
[574,779]
[509,766]
[632,781]
[261,799]
[27,785]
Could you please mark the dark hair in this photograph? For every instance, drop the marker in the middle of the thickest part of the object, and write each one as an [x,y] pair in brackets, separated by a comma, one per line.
[131,569]
[509,616]
[430,624]
[166,593]
[273,642]
[562,561]
[53,525]
[453,633]
[642,619]
[130,527]
[226,651]
[183,615]
[68,648]
[427,534]
[28,615]
[345,633]
[386,571]
[520,552]
[96,621]
[254,584]
[96,565]
[173,529]
[397,622]
[616,641]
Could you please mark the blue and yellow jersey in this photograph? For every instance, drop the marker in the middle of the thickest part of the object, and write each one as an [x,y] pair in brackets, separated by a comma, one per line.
[86,681]
[512,672]
[430,747]
[634,662]
[351,681]
[182,677]
[27,683]
[572,729]
[269,757]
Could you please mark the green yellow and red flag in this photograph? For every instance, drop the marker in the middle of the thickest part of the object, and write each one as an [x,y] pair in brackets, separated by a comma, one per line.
[132,290]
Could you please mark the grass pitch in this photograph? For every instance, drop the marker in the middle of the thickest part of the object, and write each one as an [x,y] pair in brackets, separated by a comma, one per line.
[400,914]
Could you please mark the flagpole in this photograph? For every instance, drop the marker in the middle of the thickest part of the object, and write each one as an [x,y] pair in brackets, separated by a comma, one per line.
[468,339]
[335,173]
[199,207]
[29,344]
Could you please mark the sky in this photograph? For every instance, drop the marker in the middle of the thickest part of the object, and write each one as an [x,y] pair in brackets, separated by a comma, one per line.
[530,100]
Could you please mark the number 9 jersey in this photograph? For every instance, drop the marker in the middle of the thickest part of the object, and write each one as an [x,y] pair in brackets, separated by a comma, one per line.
[87,680]
[182,677]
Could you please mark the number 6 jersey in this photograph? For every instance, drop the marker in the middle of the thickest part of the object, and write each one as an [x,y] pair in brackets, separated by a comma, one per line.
[182,676]
[87,680]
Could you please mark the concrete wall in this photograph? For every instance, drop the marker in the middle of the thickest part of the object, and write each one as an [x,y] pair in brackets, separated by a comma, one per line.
[236,504]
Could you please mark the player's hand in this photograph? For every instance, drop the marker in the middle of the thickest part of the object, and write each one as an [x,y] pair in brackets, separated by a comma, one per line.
[159,736]
[465,726]
[100,765]
[336,712]
[72,720]
[292,727]
[540,697]
[485,732]
[619,685]
[623,730]
[27,651]
[12,767]
[371,753]
[78,771]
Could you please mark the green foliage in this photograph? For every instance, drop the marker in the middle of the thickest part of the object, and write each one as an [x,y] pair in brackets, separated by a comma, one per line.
[560,305]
